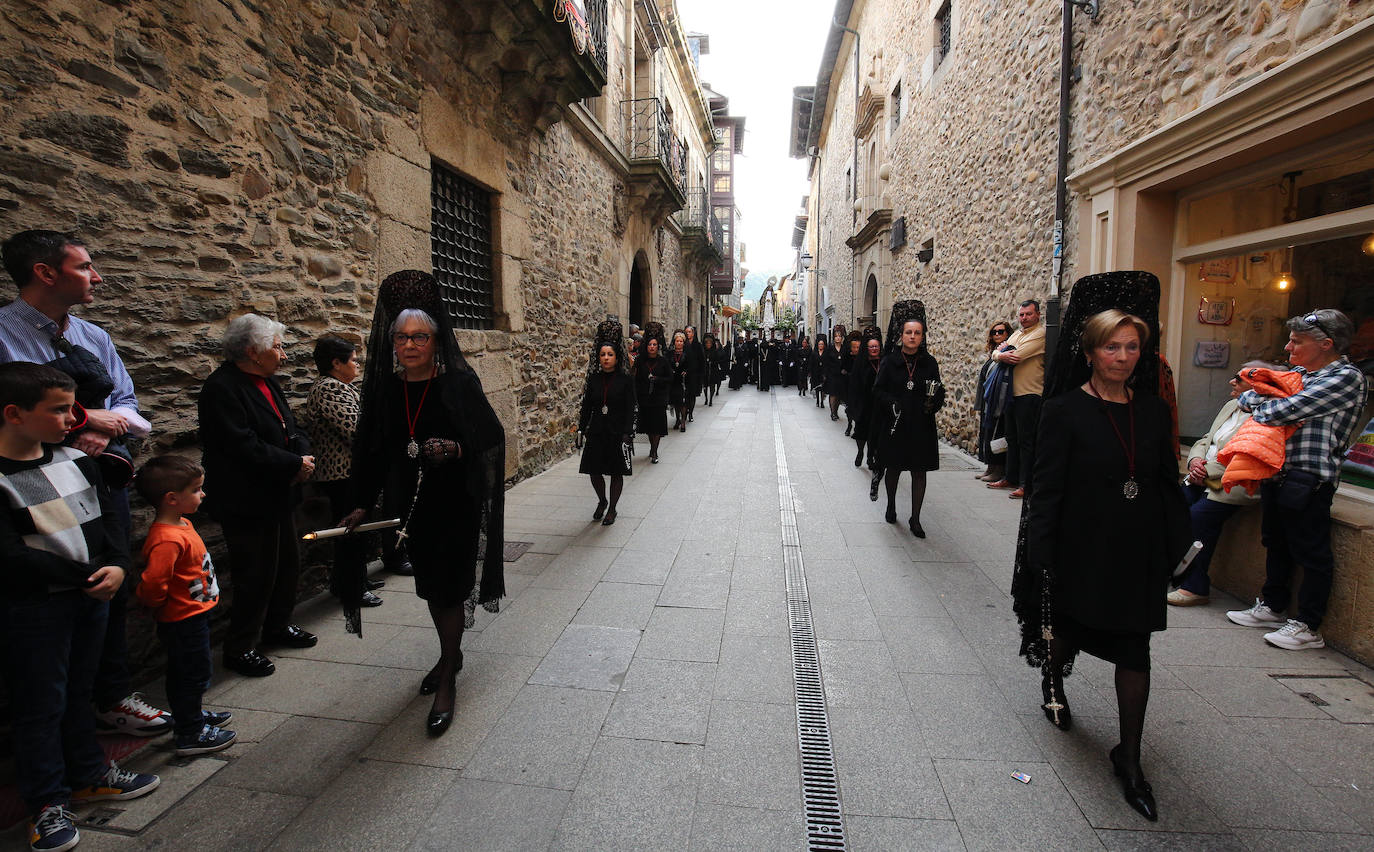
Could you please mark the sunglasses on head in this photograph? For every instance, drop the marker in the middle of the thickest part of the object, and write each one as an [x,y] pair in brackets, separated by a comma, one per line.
[1311,319]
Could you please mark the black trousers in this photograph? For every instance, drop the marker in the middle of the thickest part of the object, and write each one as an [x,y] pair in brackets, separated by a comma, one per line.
[1298,536]
[264,565]
[1022,422]
[112,678]
[188,669]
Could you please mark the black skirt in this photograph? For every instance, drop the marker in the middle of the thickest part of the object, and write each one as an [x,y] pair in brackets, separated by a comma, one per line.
[1128,650]
[605,455]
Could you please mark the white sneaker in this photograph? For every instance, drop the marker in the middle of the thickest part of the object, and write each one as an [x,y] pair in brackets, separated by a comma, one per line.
[1258,615]
[134,717]
[1295,636]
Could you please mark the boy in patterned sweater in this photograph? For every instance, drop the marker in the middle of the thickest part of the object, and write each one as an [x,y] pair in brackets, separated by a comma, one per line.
[179,586]
[61,563]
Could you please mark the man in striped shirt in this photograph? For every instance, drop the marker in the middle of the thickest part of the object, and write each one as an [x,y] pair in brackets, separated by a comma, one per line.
[54,273]
[1296,525]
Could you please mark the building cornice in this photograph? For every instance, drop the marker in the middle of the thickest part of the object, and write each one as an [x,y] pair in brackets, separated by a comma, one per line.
[1335,76]
[879,220]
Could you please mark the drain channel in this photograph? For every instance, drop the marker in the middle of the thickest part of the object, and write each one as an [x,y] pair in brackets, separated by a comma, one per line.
[820,783]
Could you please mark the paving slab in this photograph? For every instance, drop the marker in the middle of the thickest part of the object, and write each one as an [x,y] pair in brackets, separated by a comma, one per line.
[633,795]
[668,700]
[370,805]
[543,738]
[588,657]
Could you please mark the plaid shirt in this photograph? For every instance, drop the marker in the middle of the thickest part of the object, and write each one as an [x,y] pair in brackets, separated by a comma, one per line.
[1326,410]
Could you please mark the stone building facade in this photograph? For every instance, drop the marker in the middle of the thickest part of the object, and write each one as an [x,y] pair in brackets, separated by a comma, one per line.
[279,157]
[1216,143]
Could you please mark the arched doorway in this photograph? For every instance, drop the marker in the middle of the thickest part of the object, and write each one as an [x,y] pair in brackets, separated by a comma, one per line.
[870,302]
[639,290]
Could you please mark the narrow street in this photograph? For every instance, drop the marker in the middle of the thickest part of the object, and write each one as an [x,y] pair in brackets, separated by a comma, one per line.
[636,691]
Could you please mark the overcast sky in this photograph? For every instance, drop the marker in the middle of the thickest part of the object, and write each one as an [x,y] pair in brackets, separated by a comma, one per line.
[759,51]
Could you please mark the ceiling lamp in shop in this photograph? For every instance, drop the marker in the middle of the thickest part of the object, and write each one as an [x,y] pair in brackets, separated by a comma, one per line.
[1368,245]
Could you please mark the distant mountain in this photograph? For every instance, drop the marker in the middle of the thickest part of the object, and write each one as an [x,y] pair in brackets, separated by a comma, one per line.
[754,283]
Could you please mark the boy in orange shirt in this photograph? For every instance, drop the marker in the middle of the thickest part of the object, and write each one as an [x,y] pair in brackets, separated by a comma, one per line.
[179,586]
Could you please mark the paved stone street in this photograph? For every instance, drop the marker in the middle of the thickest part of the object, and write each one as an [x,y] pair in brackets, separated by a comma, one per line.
[636,691]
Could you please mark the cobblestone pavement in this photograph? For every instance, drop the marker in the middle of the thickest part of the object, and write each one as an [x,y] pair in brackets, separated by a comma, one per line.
[636,691]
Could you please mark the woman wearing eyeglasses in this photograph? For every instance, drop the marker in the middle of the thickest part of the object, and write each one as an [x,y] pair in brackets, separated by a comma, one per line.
[429,439]
[256,457]
[991,423]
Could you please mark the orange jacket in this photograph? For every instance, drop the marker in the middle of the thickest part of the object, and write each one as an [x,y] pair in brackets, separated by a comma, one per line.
[179,578]
[1257,451]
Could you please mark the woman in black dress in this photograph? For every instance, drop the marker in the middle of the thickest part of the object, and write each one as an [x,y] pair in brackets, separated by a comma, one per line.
[679,356]
[427,435]
[710,377]
[607,421]
[835,373]
[1108,520]
[696,370]
[818,364]
[850,357]
[739,371]
[908,392]
[861,404]
[803,364]
[653,375]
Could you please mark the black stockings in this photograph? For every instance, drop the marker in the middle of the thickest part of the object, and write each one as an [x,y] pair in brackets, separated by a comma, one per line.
[918,491]
[1132,695]
[448,623]
[653,446]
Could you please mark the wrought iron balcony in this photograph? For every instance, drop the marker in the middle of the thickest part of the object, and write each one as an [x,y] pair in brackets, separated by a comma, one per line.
[658,159]
[703,235]
[549,54]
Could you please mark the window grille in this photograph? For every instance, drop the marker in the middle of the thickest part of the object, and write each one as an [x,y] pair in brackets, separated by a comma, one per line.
[461,247]
[943,20]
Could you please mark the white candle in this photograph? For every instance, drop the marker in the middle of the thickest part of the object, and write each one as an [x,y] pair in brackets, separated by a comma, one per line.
[338,531]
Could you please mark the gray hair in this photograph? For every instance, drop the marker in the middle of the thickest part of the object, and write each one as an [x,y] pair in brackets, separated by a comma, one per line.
[1330,324]
[417,314]
[249,333]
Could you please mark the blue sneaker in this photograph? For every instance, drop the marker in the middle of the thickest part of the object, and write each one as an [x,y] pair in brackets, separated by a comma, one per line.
[117,785]
[53,830]
[209,739]
[215,719]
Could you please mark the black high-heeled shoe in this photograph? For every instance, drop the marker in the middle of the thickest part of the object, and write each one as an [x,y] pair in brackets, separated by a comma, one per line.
[1056,706]
[438,721]
[916,529]
[848,428]
[1138,792]
[609,519]
[891,515]
[429,684]
[600,510]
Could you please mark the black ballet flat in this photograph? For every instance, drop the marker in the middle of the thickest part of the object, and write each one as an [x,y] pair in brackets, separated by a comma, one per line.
[891,515]
[1137,791]
[600,510]
[1061,717]
[610,518]
[429,684]
[916,528]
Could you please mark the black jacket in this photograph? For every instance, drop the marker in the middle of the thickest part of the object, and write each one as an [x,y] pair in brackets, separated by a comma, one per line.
[250,457]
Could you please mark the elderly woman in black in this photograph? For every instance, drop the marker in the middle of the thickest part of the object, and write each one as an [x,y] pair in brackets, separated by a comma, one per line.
[907,393]
[255,456]
[428,436]
[1108,520]
[653,374]
[607,421]
[680,357]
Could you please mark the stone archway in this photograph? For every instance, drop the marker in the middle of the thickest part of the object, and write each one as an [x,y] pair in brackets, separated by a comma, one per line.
[870,302]
[641,290]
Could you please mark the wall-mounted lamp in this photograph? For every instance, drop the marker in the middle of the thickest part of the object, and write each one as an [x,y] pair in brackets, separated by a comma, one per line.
[807,261]
[1368,245]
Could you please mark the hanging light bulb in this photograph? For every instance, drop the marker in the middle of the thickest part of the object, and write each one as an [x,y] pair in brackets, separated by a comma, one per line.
[1368,245]
[1284,281]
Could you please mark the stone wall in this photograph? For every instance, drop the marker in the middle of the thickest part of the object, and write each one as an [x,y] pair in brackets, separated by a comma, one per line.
[973,160]
[274,156]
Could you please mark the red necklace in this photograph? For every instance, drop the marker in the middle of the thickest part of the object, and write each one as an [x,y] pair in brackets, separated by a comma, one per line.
[911,361]
[412,448]
[1130,488]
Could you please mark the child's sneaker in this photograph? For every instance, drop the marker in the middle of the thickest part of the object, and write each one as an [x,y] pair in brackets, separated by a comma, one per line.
[1258,615]
[209,739]
[117,785]
[135,717]
[1295,636]
[53,830]
[215,719]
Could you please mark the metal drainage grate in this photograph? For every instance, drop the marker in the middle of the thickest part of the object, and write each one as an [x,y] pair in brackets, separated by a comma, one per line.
[820,783]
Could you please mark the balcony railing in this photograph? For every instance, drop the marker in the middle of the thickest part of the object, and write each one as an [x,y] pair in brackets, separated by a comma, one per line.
[651,138]
[699,223]
[596,22]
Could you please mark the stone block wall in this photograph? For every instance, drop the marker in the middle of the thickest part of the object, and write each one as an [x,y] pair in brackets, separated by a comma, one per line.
[973,159]
[275,157]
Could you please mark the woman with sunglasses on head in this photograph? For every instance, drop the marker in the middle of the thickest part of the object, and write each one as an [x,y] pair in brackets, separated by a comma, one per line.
[991,425]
